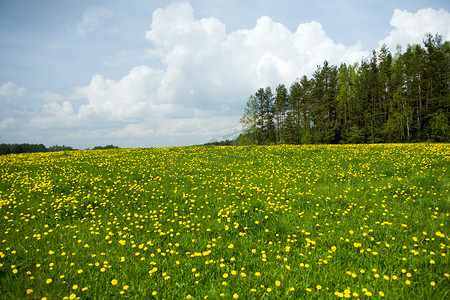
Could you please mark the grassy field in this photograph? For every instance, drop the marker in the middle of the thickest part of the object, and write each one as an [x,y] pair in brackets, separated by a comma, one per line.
[275,222]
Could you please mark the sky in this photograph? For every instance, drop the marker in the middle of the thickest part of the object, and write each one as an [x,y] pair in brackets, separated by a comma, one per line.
[176,73]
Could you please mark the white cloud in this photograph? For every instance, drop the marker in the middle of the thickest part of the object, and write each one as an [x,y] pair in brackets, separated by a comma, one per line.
[92,18]
[6,123]
[11,92]
[11,98]
[410,28]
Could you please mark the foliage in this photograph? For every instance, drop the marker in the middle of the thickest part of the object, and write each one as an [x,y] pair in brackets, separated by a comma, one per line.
[105,147]
[253,222]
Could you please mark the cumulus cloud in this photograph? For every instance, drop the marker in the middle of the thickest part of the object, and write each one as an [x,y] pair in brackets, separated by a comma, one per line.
[410,28]
[11,94]
[92,18]
[206,79]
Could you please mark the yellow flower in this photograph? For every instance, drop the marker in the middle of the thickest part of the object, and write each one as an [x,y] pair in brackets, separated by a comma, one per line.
[230,246]
[381,294]
[408,282]
[48,281]
[154,293]
[74,287]
[277,283]
[433,283]
[318,287]
[257,274]
[29,291]
[72,296]
[114,282]
[235,296]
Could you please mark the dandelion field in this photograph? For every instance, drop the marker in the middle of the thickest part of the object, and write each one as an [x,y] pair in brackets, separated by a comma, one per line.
[289,222]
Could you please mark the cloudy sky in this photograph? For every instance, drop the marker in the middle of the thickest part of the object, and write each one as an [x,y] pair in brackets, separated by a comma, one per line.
[171,73]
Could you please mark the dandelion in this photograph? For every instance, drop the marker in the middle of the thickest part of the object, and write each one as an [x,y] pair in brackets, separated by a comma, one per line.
[318,287]
[29,291]
[114,282]
[48,281]
[230,246]
[277,283]
[235,296]
[72,296]
[74,287]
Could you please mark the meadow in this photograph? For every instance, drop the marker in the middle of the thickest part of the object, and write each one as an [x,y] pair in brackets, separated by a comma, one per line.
[251,222]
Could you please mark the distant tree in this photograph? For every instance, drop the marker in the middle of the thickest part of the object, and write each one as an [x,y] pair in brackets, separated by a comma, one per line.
[105,147]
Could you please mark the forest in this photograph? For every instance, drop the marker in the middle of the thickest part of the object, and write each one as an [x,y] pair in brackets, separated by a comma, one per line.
[386,98]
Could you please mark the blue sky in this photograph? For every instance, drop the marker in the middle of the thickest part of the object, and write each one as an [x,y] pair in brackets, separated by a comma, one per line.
[171,73]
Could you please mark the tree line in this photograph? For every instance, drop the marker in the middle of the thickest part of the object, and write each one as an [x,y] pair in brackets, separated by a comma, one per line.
[386,98]
[32,148]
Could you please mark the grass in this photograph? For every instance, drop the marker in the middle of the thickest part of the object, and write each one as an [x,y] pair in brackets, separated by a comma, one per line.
[354,221]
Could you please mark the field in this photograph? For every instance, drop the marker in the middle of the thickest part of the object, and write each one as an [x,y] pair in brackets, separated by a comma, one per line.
[273,222]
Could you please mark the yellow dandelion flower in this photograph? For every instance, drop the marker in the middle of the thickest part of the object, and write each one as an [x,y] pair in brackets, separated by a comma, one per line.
[235,296]
[277,283]
[29,291]
[48,281]
[114,281]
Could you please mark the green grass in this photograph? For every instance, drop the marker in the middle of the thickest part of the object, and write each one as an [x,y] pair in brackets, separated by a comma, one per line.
[271,222]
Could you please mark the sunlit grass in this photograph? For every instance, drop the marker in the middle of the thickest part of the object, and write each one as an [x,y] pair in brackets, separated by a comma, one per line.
[271,222]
